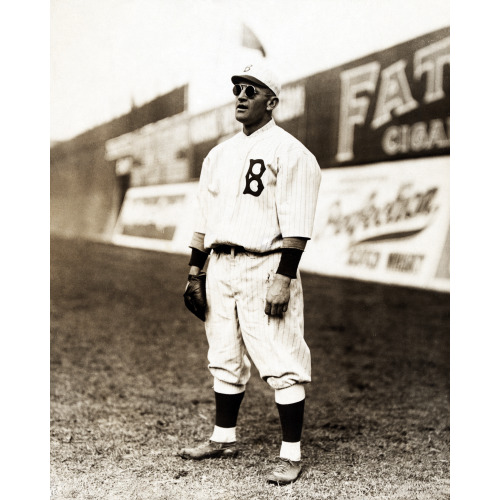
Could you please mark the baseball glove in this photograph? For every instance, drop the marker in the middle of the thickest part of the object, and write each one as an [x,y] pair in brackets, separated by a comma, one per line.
[195,296]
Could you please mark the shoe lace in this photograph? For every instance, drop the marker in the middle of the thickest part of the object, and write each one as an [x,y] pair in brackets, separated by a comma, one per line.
[283,465]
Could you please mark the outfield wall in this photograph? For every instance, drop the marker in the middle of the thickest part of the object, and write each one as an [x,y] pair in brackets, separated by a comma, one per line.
[378,126]
[387,222]
[86,190]
[387,106]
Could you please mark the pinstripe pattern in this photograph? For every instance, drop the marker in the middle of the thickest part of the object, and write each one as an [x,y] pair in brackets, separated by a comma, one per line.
[286,205]
[254,191]
[238,328]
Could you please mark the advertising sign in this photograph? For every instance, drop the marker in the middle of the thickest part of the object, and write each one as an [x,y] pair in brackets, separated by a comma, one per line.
[387,222]
[154,154]
[157,217]
[384,118]
[389,105]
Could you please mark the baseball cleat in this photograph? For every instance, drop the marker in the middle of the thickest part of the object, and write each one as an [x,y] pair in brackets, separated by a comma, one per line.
[210,449]
[285,472]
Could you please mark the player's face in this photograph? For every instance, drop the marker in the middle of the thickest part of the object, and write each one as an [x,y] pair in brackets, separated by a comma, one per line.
[252,111]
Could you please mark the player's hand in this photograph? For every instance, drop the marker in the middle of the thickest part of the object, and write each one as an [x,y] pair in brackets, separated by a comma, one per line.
[278,296]
[195,295]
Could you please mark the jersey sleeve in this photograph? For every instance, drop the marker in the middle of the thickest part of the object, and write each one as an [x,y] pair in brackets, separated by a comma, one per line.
[298,181]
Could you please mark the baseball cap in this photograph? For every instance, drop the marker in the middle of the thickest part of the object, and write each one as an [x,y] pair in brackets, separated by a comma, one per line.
[261,74]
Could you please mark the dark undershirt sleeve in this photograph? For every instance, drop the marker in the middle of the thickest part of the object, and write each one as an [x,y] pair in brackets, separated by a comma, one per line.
[289,263]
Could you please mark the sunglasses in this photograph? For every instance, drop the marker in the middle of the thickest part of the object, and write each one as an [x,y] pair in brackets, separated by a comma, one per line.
[250,91]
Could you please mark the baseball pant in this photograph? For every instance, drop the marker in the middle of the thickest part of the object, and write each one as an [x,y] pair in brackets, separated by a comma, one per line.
[238,328]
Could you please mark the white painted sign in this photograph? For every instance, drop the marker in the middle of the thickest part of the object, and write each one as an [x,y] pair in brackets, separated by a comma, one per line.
[386,222]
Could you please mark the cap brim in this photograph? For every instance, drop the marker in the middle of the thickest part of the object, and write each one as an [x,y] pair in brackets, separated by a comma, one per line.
[246,78]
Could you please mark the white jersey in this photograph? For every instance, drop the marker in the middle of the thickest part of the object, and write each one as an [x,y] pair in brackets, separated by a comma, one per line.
[256,190]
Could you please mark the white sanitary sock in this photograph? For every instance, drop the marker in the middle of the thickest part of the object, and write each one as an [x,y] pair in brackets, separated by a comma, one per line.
[223,434]
[290,451]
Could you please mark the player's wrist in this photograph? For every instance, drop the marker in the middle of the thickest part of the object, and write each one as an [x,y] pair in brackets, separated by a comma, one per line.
[283,278]
[198,258]
[194,271]
[289,263]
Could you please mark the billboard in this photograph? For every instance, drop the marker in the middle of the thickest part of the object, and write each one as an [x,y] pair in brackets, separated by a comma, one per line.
[379,128]
[390,105]
[387,222]
[157,217]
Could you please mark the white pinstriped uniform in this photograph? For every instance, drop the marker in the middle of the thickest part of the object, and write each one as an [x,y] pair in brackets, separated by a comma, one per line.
[254,191]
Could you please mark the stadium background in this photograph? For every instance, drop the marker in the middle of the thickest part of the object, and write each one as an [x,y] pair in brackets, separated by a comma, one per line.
[378,125]
[122,401]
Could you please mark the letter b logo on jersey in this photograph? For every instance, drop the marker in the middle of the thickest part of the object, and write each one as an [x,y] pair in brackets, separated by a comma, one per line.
[254,185]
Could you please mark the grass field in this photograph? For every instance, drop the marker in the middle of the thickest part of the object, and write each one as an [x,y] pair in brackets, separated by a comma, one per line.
[130,386]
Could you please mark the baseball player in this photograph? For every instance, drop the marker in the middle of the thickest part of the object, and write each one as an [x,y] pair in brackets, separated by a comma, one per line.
[257,200]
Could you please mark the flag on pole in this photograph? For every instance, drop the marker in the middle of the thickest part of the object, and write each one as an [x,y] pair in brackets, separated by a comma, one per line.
[250,41]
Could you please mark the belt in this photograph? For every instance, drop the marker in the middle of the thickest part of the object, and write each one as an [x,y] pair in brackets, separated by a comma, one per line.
[236,249]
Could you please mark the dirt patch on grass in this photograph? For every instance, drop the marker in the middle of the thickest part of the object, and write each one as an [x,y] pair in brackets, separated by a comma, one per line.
[130,386]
